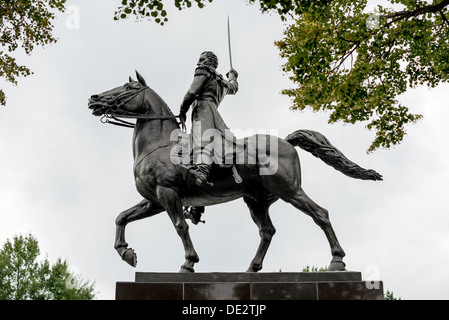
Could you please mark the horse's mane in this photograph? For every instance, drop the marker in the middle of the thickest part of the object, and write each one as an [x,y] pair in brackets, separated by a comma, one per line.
[156,99]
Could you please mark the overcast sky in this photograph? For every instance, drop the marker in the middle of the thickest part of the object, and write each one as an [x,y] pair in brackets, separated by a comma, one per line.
[64,176]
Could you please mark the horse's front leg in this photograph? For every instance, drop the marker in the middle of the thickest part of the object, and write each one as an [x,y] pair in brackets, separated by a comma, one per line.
[169,198]
[141,210]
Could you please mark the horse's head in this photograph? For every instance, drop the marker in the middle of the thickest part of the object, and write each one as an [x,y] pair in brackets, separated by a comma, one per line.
[125,100]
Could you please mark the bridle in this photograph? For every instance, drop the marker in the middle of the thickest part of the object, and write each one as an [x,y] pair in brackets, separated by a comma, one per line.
[118,103]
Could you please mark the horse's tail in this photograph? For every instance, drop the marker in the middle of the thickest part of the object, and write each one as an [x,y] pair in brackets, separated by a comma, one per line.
[318,145]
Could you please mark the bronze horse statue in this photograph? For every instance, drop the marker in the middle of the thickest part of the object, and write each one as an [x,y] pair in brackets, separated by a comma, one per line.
[163,188]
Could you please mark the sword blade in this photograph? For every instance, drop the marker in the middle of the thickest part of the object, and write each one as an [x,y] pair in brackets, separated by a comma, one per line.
[229,43]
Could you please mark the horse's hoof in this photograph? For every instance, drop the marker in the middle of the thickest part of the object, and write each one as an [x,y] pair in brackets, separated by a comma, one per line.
[254,267]
[186,270]
[130,257]
[337,266]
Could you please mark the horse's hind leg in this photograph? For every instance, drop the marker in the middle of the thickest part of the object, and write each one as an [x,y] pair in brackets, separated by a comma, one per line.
[321,217]
[141,210]
[258,207]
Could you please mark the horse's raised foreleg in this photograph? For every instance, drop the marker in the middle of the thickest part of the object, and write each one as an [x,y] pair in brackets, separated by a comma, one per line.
[321,217]
[141,210]
[169,198]
[258,208]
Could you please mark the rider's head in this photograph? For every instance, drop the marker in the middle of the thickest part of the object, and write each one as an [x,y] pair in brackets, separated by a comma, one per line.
[208,58]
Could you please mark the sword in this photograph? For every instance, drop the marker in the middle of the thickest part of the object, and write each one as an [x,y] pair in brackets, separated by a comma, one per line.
[229,43]
[235,173]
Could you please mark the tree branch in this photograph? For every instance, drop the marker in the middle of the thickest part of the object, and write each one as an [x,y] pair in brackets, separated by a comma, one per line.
[443,17]
[418,11]
[345,56]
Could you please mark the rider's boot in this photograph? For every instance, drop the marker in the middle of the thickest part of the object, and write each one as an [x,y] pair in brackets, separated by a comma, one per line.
[201,173]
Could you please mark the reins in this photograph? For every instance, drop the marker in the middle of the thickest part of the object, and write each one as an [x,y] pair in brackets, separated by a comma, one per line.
[109,114]
[119,122]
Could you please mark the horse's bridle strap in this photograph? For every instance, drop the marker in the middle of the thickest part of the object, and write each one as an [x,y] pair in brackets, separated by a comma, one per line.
[109,114]
[119,122]
[118,104]
[142,116]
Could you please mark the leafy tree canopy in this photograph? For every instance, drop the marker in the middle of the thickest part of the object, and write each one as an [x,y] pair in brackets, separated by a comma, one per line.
[23,277]
[354,64]
[148,9]
[23,24]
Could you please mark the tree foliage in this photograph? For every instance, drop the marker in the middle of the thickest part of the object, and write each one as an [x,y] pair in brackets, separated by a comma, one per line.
[390,296]
[24,24]
[355,64]
[154,9]
[314,269]
[23,277]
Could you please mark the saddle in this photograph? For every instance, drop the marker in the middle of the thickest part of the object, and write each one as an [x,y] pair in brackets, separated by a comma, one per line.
[190,178]
[224,158]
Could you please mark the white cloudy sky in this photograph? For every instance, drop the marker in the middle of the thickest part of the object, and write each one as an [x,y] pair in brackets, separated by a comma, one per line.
[65,177]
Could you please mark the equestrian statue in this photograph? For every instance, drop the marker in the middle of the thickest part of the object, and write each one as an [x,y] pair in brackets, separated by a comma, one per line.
[211,166]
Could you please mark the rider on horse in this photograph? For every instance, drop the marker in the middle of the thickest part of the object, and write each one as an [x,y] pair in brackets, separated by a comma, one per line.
[205,94]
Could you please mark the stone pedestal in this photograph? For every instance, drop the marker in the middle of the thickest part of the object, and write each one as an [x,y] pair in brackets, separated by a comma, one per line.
[250,286]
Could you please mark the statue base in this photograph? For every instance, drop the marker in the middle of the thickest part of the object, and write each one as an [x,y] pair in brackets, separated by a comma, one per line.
[345,285]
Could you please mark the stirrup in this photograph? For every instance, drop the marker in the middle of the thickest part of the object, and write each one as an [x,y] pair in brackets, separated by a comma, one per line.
[196,174]
[193,215]
[201,174]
